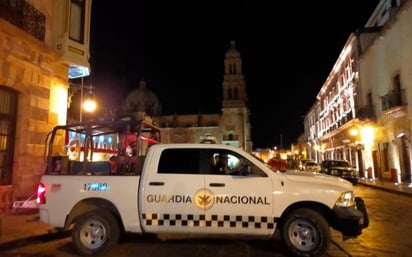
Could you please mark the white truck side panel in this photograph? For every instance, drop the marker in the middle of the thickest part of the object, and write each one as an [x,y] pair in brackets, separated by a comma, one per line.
[120,190]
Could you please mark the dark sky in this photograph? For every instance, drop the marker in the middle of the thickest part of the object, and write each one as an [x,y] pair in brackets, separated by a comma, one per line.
[288,50]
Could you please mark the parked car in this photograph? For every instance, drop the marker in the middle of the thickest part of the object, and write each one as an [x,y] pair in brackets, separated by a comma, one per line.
[302,163]
[311,166]
[340,168]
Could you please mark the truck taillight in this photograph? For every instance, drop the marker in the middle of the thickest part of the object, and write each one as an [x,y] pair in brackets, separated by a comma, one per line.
[41,194]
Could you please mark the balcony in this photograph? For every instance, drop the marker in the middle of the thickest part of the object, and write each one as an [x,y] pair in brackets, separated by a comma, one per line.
[25,17]
[366,112]
[395,98]
[394,103]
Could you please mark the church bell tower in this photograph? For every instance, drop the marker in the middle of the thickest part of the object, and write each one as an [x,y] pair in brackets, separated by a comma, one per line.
[235,122]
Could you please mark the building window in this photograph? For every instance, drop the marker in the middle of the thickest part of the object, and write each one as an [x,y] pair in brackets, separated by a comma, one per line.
[229,93]
[397,83]
[77,14]
[8,116]
[397,89]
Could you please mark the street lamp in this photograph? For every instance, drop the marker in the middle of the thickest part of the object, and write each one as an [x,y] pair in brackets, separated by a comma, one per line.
[87,102]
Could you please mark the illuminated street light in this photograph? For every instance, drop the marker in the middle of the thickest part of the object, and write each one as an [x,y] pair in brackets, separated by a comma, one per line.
[354,132]
[88,103]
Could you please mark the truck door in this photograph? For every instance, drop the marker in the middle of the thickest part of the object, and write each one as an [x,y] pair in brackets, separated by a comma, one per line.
[243,199]
[167,195]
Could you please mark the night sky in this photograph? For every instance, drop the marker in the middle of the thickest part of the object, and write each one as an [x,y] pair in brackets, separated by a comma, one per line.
[288,49]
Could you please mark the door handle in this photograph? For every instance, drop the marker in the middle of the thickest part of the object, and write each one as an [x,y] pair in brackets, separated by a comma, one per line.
[217,184]
[156,183]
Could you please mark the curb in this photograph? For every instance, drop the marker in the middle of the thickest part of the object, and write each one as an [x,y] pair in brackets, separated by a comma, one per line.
[42,238]
[19,228]
[387,189]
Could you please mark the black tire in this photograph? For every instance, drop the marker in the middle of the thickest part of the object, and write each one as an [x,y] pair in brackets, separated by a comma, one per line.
[306,233]
[95,233]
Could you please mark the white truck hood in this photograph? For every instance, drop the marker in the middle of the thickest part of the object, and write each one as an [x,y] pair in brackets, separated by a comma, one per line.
[317,178]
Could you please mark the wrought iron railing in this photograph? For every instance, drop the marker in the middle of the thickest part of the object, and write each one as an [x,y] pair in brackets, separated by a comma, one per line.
[393,99]
[24,16]
[366,112]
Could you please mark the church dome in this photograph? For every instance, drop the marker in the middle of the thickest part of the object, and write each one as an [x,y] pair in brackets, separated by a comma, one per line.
[144,100]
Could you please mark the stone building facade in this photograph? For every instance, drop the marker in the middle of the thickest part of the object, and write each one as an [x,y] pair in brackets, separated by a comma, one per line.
[42,45]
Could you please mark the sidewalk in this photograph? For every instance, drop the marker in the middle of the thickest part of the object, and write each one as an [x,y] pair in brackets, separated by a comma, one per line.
[400,188]
[17,229]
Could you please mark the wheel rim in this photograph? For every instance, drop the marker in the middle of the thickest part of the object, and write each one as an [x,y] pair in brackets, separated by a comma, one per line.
[93,234]
[303,235]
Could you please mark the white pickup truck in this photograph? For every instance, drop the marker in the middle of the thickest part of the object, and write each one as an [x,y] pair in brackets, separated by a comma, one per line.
[99,189]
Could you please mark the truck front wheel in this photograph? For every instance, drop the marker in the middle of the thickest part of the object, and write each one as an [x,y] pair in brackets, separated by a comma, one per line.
[306,233]
[95,233]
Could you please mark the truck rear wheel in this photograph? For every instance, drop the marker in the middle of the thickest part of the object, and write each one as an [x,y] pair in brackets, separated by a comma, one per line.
[306,233]
[95,233]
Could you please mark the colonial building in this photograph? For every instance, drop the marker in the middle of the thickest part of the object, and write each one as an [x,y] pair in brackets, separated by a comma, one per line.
[43,44]
[232,126]
[362,112]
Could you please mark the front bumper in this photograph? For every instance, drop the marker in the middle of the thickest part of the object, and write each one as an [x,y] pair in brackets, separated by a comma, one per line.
[351,221]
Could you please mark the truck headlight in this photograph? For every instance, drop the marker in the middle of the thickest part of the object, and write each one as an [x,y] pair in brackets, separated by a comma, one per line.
[346,199]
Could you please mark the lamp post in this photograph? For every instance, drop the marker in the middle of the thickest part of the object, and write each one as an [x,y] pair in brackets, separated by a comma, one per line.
[88,103]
